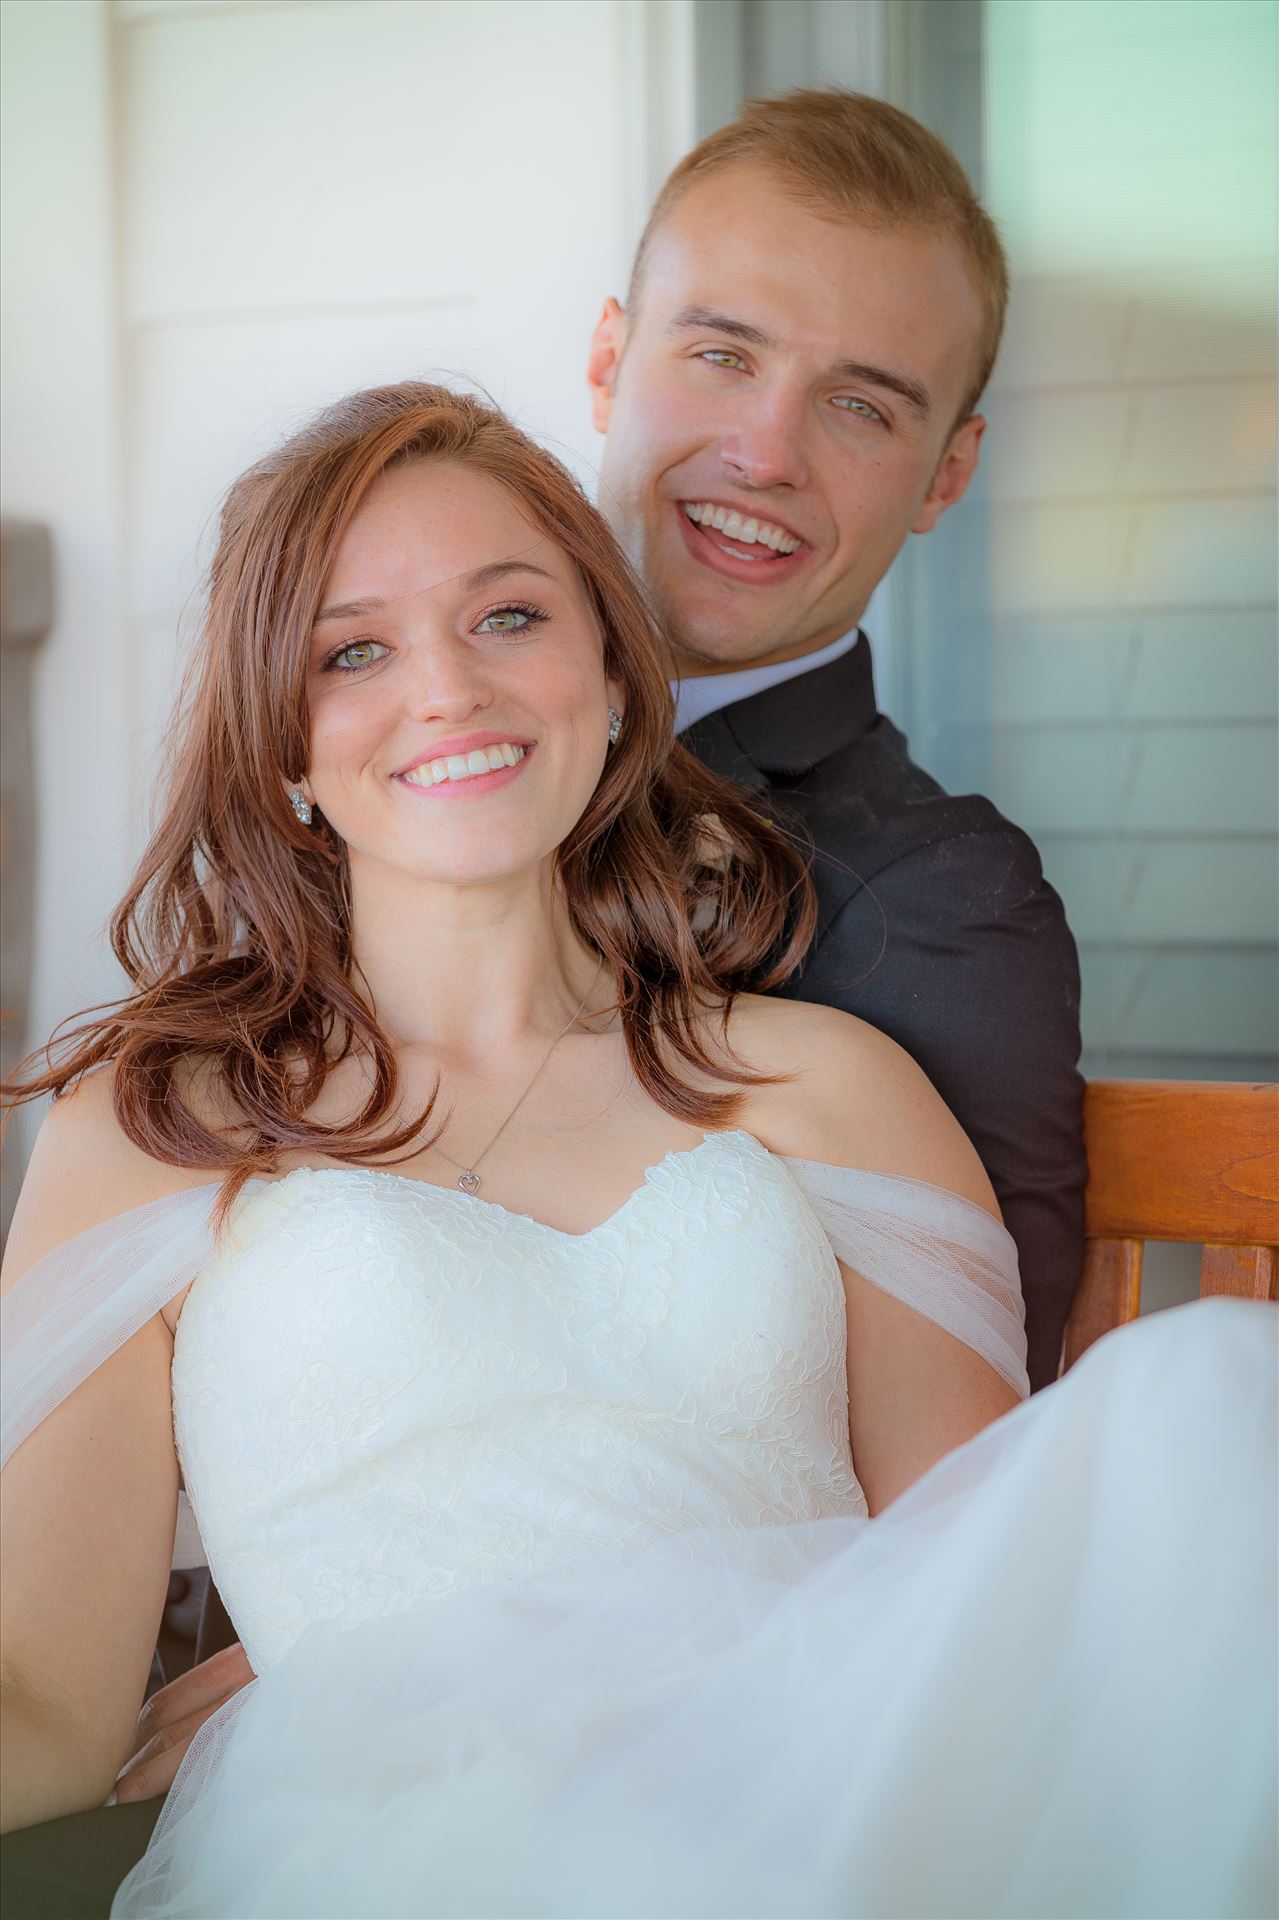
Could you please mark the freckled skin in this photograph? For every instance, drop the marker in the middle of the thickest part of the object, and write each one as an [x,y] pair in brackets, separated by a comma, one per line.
[431,674]
[844,464]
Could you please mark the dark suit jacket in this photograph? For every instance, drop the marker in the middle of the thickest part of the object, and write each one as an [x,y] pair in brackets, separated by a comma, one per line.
[935,923]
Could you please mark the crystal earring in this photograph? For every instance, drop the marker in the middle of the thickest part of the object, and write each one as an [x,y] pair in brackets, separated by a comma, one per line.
[614,725]
[301,806]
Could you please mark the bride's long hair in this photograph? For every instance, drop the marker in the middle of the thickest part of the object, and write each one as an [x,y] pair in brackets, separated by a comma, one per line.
[236,929]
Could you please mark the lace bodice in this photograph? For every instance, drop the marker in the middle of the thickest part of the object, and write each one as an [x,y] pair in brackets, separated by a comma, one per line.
[385,1390]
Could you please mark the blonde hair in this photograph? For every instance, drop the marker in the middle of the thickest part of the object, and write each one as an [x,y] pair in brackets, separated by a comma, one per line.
[853,155]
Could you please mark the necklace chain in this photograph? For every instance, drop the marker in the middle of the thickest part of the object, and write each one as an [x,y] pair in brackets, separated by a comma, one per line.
[469,1179]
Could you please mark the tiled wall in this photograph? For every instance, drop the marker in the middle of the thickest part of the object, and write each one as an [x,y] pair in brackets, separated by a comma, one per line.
[1092,635]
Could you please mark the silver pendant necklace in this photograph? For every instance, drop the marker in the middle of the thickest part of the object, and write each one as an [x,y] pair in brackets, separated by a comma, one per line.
[468,1178]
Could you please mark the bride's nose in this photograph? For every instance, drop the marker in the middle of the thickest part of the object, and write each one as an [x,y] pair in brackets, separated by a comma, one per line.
[447,679]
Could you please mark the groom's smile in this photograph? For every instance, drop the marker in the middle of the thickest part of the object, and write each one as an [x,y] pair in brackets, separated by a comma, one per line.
[738,543]
[780,402]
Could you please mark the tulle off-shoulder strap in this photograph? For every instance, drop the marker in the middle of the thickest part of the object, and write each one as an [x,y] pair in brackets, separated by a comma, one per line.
[70,1311]
[933,1251]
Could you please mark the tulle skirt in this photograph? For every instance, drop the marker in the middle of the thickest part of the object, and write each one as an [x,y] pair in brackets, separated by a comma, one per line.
[1043,1682]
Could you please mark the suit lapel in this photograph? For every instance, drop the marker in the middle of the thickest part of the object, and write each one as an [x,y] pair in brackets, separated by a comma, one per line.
[713,741]
[776,742]
[788,729]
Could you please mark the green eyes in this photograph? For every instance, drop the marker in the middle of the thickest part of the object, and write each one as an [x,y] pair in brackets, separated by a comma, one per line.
[847,403]
[862,408]
[502,621]
[505,620]
[347,659]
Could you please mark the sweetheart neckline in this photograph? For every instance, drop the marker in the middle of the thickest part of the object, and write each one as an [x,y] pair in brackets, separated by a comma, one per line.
[512,1213]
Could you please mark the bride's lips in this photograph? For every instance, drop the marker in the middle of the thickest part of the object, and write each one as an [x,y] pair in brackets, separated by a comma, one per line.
[476,784]
[704,544]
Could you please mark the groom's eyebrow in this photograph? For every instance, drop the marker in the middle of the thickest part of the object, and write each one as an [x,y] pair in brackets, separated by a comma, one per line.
[485,576]
[695,319]
[711,320]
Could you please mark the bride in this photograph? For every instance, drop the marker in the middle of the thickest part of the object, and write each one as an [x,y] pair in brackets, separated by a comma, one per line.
[600,1388]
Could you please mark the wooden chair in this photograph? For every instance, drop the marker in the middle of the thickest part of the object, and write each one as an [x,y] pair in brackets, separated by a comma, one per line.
[1188,1160]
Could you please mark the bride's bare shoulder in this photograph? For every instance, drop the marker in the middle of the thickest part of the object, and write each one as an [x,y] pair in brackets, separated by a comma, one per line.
[848,1095]
[84,1169]
[801,1036]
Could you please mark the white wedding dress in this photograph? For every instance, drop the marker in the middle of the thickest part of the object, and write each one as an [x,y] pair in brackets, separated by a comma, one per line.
[550,1556]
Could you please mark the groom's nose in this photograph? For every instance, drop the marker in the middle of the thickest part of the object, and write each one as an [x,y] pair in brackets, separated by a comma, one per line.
[767,443]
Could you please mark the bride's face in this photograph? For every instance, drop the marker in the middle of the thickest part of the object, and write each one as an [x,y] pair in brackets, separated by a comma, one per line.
[451,627]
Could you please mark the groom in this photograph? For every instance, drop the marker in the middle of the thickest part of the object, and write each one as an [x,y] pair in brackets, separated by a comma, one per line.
[788,394]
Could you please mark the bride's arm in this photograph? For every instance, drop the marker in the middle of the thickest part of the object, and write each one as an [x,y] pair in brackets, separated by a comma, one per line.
[914,1392]
[857,1100]
[88,1506]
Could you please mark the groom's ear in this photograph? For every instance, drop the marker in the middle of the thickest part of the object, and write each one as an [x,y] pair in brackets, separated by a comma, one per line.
[950,482]
[603,361]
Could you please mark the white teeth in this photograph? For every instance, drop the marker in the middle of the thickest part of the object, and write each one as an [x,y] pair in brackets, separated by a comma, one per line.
[747,532]
[465,766]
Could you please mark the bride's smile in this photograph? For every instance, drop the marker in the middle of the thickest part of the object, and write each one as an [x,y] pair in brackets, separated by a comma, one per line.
[471,764]
[457,693]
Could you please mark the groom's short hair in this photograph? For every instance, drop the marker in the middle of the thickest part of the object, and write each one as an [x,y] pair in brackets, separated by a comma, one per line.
[848,154]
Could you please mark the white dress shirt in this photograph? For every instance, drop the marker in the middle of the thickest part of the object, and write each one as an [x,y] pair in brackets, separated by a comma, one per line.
[694,699]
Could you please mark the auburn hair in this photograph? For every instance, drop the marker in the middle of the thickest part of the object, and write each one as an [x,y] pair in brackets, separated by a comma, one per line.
[852,155]
[235,932]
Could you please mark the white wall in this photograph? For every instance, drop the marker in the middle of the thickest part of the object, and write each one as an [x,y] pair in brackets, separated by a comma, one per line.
[61,462]
[316,197]
[218,216]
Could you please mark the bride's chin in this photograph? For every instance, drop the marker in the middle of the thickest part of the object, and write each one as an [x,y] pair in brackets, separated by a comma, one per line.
[477,865]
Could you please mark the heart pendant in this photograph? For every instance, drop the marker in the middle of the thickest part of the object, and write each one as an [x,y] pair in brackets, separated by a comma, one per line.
[469,1182]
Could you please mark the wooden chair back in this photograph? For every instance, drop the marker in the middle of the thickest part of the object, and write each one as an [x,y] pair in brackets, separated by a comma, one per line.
[1188,1160]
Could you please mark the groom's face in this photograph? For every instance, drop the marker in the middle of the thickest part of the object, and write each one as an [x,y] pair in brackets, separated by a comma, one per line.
[802,372]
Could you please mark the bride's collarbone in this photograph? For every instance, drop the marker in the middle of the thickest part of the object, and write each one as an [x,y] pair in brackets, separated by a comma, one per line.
[588,1136]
